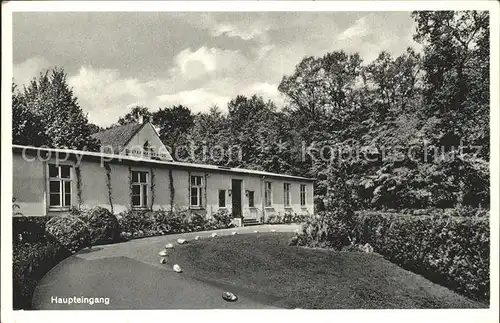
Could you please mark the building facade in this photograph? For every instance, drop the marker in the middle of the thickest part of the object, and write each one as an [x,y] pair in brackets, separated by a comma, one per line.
[51,181]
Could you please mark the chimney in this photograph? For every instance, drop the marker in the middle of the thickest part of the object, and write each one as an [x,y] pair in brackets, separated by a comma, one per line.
[141,119]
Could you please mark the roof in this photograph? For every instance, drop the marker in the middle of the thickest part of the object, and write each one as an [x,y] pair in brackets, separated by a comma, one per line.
[118,137]
[119,158]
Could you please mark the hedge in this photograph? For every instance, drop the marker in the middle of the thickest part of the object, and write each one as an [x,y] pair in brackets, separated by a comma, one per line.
[34,254]
[451,251]
[135,224]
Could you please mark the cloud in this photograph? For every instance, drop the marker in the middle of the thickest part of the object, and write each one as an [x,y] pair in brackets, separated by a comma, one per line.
[267,91]
[105,96]
[244,32]
[24,72]
[360,28]
[198,100]
[206,62]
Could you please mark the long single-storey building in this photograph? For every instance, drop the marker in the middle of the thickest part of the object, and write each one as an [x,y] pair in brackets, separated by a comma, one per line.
[134,170]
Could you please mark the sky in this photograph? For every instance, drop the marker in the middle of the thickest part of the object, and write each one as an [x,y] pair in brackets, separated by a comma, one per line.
[115,61]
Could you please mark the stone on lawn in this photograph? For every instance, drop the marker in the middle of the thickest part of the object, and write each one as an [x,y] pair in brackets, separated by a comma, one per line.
[234,233]
[197,238]
[214,235]
[163,253]
[163,260]
[255,231]
[367,248]
[169,246]
[181,241]
[273,230]
[228,296]
[177,268]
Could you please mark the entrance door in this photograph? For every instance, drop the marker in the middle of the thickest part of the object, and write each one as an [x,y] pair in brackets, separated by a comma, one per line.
[236,198]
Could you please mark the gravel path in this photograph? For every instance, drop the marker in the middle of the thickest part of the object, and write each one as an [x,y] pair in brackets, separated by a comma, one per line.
[131,276]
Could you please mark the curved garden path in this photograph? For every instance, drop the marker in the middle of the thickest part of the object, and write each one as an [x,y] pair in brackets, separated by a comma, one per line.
[130,274]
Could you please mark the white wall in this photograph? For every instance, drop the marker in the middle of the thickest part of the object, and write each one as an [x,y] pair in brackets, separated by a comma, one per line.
[29,188]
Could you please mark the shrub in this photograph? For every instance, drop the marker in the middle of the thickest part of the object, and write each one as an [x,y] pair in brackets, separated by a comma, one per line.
[28,229]
[103,225]
[222,219]
[330,229]
[286,218]
[160,222]
[69,231]
[451,251]
[134,221]
[33,254]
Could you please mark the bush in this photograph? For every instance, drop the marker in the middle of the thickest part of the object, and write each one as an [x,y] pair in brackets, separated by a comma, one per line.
[222,219]
[69,231]
[132,221]
[33,254]
[452,251]
[286,218]
[329,229]
[28,229]
[160,222]
[103,225]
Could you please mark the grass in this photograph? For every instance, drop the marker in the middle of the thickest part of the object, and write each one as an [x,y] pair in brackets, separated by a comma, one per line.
[263,267]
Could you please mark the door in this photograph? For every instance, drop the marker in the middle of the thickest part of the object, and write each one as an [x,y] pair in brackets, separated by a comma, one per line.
[236,198]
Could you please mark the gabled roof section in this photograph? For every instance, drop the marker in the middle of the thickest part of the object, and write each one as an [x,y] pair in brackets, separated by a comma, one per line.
[118,137]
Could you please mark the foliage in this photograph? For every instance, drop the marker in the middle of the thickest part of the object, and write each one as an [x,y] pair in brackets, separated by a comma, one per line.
[286,218]
[330,229]
[452,251]
[47,113]
[102,224]
[30,262]
[160,222]
[222,219]
[174,123]
[34,253]
[15,208]
[70,231]
[135,114]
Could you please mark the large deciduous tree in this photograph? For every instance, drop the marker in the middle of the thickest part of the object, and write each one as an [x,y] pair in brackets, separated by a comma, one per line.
[174,124]
[49,102]
[135,114]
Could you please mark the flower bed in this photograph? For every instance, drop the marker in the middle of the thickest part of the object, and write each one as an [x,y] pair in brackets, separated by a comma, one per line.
[136,224]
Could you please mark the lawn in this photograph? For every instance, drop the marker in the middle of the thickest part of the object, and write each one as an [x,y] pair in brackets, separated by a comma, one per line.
[263,267]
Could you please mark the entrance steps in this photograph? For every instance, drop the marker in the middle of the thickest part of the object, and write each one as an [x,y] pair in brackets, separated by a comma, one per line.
[250,222]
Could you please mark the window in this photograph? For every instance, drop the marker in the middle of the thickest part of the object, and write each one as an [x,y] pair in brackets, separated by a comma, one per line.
[251,199]
[147,149]
[286,195]
[268,194]
[222,198]
[196,189]
[302,194]
[60,186]
[140,182]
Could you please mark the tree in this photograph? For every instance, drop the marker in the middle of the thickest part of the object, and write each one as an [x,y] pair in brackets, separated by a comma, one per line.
[210,130]
[51,102]
[27,128]
[135,114]
[174,124]
[456,62]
